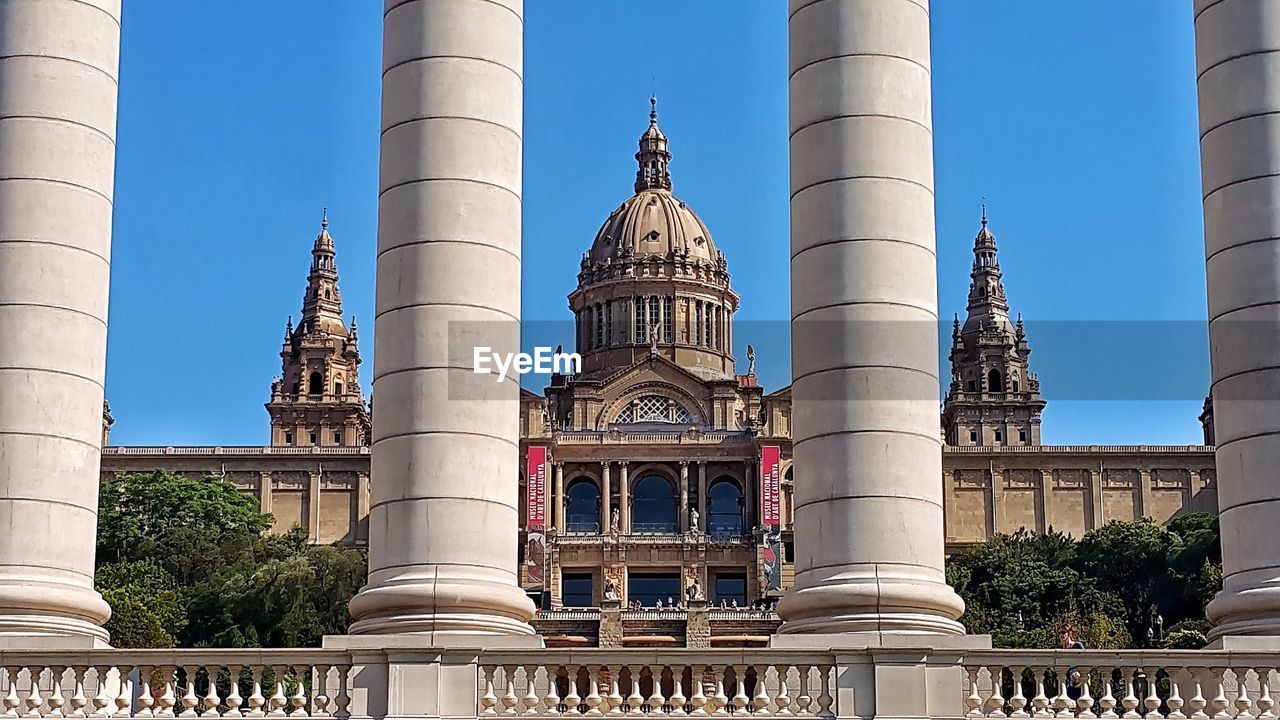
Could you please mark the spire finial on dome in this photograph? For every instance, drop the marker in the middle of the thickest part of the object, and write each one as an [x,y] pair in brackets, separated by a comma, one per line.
[324,217]
[653,157]
[653,109]
[984,212]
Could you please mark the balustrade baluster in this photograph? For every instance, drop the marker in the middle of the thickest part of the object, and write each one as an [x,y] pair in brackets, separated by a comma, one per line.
[1107,703]
[698,701]
[320,692]
[1197,703]
[1175,696]
[146,696]
[1084,703]
[740,699]
[57,700]
[826,699]
[1219,704]
[760,703]
[256,700]
[677,699]
[571,698]
[488,700]
[614,700]
[343,711]
[509,697]
[531,700]
[1152,702]
[995,704]
[1264,703]
[189,697]
[720,699]
[1243,703]
[973,701]
[1040,703]
[234,700]
[34,700]
[102,700]
[78,700]
[553,689]
[634,698]
[782,698]
[1130,700]
[655,700]
[11,699]
[1064,706]
[169,698]
[278,699]
[803,699]
[298,701]
[593,698]
[1018,701]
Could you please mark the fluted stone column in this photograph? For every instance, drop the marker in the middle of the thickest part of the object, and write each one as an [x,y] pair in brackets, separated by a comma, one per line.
[1238,66]
[868,516]
[59,62]
[443,524]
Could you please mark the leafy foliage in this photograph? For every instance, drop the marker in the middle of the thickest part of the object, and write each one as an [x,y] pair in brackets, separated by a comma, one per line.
[1111,585]
[188,562]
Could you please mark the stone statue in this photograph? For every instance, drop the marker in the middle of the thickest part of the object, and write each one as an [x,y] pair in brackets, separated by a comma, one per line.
[614,521]
[693,520]
[653,338]
[751,360]
[694,591]
[610,589]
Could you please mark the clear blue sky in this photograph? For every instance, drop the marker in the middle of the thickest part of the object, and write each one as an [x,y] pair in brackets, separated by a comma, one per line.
[239,119]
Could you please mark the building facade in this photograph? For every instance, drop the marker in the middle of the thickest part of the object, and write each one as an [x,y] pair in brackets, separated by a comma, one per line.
[653,483]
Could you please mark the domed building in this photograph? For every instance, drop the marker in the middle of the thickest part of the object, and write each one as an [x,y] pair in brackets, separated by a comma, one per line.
[660,473]
[653,280]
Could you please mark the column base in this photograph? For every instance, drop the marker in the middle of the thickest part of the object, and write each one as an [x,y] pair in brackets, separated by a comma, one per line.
[1252,611]
[57,613]
[447,606]
[865,602]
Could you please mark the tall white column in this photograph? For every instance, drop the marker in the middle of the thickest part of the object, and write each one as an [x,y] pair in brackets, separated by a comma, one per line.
[59,61]
[868,517]
[1238,66]
[443,524]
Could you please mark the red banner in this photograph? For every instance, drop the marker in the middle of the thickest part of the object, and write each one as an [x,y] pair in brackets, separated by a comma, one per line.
[536,514]
[536,490]
[770,486]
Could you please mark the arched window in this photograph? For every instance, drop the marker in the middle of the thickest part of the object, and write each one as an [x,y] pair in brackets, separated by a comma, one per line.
[724,505]
[993,381]
[653,505]
[582,506]
[337,389]
[315,384]
[653,408]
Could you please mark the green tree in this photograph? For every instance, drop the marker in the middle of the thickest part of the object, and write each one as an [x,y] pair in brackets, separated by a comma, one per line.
[145,609]
[1021,588]
[186,526]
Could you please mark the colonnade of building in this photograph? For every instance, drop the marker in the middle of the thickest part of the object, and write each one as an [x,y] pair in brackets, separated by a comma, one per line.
[443,517]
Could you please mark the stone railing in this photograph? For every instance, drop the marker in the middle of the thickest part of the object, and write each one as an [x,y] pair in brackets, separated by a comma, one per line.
[391,678]
[742,614]
[1153,685]
[176,683]
[715,437]
[666,684]
[1072,449]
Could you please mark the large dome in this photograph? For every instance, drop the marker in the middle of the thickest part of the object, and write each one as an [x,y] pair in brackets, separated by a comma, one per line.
[650,223]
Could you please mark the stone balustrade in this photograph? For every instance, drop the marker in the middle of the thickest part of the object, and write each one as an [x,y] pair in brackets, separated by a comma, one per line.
[1155,685]
[652,685]
[774,682]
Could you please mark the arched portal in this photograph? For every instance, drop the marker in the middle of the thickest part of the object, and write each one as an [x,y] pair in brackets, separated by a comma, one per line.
[653,505]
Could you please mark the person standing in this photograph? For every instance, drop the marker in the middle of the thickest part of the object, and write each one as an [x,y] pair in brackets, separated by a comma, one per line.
[1067,639]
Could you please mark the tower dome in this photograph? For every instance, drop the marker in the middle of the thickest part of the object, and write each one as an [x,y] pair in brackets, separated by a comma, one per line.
[653,280]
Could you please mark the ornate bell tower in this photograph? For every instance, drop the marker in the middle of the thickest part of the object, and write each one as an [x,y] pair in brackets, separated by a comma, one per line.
[317,399]
[994,399]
